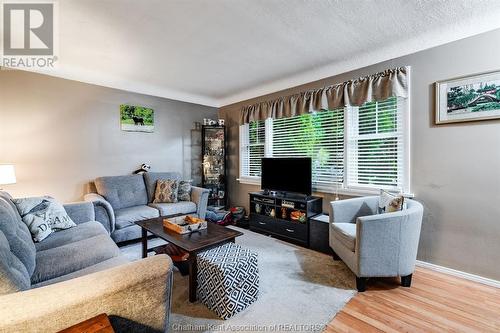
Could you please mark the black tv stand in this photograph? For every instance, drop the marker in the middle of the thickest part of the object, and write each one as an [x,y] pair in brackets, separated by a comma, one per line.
[284,215]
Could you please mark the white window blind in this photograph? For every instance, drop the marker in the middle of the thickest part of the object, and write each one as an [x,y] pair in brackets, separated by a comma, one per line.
[354,148]
[252,145]
[375,145]
[318,135]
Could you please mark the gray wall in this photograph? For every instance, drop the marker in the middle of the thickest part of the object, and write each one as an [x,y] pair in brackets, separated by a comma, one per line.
[455,169]
[61,134]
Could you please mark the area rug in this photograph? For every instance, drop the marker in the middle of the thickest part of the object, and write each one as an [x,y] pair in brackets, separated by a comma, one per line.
[300,291]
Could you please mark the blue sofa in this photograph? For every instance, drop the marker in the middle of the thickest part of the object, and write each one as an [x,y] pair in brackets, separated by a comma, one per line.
[75,274]
[122,200]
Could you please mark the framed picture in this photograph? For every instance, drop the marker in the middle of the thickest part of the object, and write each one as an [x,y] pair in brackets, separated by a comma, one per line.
[136,118]
[470,98]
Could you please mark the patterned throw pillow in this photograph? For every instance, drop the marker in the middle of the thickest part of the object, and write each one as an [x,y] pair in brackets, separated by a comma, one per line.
[389,202]
[184,193]
[43,215]
[166,191]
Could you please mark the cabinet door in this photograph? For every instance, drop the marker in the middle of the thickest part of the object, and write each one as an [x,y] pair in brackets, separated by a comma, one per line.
[214,164]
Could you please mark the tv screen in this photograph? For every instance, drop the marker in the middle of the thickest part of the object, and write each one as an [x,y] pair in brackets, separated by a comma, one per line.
[286,175]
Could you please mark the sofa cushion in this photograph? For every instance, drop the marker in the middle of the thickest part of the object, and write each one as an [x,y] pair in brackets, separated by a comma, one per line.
[150,179]
[127,216]
[110,263]
[182,207]
[43,215]
[184,193]
[17,234]
[78,233]
[346,234]
[13,274]
[72,257]
[166,191]
[123,191]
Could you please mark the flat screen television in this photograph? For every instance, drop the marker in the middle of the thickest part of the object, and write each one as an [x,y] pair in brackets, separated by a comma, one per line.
[287,175]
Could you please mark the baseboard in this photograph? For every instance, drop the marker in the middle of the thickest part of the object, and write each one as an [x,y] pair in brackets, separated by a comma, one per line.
[464,275]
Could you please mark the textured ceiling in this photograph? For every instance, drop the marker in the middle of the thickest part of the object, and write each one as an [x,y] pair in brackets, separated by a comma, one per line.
[216,52]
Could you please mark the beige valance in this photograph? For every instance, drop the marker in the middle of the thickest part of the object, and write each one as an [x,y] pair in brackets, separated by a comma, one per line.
[377,87]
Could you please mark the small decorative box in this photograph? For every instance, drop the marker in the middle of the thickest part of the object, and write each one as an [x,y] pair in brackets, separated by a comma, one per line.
[184,224]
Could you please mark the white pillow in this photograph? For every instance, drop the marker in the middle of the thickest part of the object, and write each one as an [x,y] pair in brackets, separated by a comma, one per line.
[388,202]
[43,215]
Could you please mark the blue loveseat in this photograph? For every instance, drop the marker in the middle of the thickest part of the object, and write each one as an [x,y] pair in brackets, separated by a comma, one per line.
[122,200]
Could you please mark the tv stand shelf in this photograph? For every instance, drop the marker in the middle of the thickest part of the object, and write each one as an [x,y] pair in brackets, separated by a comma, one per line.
[284,216]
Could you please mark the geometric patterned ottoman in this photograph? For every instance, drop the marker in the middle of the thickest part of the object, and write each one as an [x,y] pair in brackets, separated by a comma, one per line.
[228,279]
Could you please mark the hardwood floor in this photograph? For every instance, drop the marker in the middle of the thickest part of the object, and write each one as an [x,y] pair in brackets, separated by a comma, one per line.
[436,302]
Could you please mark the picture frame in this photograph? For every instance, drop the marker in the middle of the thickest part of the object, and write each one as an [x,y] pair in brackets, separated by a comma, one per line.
[135,118]
[468,98]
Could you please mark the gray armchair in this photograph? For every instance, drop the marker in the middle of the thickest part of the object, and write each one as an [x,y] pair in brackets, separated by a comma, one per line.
[373,244]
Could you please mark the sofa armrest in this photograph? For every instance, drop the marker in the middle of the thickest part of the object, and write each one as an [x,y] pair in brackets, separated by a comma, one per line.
[80,212]
[104,212]
[348,210]
[135,296]
[387,244]
[199,196]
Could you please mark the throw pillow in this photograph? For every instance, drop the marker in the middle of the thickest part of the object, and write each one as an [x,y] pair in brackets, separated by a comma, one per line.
[166,191]
[389,202]
[43,215]
[184,193]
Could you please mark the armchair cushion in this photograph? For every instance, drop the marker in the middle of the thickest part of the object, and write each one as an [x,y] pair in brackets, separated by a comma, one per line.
[347,211]
[183,207]
[127,216]
[346,234]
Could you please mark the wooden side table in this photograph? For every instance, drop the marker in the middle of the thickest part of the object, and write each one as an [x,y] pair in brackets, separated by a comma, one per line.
[97,324]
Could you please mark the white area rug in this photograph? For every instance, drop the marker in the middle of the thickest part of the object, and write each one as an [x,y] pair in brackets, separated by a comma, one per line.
[300,291]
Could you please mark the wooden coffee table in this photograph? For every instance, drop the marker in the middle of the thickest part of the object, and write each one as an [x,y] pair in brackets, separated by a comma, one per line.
[193,243]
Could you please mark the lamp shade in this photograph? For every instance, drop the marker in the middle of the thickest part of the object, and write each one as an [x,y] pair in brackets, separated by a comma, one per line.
[7,174]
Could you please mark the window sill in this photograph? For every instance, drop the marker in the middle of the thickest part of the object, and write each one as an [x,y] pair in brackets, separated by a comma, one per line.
[249,181]
[358,192]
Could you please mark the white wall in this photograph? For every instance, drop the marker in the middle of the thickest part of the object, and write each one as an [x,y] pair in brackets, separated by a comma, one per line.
[61,134]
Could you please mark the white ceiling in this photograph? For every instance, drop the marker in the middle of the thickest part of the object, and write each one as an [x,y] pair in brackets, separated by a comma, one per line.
[216,52]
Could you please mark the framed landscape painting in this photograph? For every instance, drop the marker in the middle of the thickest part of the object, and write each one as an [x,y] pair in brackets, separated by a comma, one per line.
[136,118]
[468,98]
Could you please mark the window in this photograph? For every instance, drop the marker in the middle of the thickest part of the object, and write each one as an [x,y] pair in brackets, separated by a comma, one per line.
[320,136]
[252,148]
[353,149]
[375,141]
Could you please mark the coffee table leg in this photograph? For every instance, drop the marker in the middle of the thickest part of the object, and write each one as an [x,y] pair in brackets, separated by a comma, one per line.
[193,277]
[144,243]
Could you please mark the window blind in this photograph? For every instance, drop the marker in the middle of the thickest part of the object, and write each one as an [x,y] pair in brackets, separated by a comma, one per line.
[352,148]
[375,153]
[318,135]
[252,143]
